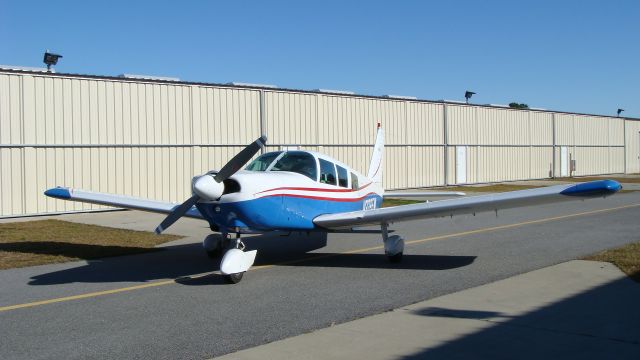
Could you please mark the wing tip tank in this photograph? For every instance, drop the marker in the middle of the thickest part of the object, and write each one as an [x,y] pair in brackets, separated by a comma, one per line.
[58,193]
[593,188]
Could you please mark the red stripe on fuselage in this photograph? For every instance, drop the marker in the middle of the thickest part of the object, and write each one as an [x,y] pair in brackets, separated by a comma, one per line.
[313,189]
[321,198]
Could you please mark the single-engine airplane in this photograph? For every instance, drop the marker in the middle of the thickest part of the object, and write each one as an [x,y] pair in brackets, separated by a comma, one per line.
[308,191]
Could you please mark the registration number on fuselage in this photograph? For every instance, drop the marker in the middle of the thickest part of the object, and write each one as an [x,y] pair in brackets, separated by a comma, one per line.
[369,204]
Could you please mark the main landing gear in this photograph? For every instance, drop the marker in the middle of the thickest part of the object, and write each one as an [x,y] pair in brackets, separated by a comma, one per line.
[393,245]
[235,261]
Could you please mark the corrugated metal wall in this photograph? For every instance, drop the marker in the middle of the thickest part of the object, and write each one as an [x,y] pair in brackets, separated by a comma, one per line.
[632,141]
[148,139]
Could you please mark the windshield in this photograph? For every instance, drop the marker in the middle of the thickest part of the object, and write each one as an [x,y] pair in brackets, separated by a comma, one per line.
[299,162]
[263,161]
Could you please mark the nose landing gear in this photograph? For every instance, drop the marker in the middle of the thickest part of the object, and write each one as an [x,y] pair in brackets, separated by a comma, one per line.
[236,261]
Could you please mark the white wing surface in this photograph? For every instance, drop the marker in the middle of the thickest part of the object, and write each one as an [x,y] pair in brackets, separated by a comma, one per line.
[469,205]
[422,194]
[127,202]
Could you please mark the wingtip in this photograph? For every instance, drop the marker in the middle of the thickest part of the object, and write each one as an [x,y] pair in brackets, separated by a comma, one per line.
[158,230]
[58,193]
[598,187]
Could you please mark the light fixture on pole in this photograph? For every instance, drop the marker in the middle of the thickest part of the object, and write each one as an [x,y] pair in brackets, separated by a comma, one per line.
[467,95]
[50,59]
[619,111]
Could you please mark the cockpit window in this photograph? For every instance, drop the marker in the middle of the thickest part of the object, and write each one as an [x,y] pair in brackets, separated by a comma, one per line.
[299,162]
[263,161]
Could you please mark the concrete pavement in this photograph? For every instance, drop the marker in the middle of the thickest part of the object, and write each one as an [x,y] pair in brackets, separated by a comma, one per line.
[156,306]
[578,309]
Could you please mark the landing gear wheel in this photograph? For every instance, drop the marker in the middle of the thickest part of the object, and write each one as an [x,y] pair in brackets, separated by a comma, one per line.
[213,254]
[214,246]
[395,258]
[233,278]
[223,245]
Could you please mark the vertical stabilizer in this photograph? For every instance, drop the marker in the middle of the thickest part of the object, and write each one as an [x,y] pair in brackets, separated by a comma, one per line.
[377,159]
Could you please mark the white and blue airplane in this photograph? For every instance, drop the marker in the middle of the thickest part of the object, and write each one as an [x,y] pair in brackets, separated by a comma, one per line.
[308,191]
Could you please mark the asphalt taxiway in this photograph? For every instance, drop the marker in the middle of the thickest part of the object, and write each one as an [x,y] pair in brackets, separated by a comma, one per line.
[169,304]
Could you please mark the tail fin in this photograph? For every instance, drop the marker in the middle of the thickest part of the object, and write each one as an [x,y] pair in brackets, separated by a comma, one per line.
[376,166]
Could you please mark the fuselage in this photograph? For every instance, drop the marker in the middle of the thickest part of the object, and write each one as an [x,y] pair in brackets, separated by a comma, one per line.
[286,191]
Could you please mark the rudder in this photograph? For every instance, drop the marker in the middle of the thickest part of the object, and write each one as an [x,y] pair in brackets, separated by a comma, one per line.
[377,159]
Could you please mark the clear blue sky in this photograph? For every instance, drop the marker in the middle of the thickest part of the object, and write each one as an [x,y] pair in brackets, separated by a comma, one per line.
[580,56]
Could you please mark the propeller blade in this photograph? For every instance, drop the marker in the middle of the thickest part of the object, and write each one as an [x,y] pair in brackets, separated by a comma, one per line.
[229,169]
[177,213]
[240,159]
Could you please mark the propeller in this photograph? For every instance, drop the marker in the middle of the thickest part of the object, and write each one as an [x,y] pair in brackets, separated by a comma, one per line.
[210,186]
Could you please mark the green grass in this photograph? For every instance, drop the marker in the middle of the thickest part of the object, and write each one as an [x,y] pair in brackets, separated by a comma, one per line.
[626,258]
[387,202]
[41,242]
[469,189]
[490,188]
[628,180]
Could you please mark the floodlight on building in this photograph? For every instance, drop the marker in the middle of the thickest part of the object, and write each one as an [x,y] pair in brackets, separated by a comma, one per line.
[50,59]
[620,111]
[467,95]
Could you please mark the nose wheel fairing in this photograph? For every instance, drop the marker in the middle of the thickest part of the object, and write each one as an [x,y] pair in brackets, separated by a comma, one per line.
[237,261]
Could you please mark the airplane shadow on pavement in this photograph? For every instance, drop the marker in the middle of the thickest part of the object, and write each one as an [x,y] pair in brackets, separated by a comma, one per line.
[598,323]
[181,261]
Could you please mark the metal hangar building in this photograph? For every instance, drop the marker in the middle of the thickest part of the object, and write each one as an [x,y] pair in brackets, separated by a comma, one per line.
[146,136]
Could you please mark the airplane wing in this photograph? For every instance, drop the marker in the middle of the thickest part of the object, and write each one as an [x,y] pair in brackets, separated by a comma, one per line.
[128,202]
[469,205]
[422,194]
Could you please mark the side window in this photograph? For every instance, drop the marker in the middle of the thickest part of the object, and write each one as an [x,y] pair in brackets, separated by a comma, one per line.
[327,172]
[354,181]
[343,176]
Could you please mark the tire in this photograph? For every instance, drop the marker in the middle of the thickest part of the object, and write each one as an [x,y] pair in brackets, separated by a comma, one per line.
[395,258]
[216,250]
[233,278]
[214,254]
[221,247]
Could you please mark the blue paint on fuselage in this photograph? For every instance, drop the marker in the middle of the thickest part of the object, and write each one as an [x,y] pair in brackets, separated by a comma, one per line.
[280,212]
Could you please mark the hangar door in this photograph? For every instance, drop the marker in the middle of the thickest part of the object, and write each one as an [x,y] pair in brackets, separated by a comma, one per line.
[461,164]
[564,161]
